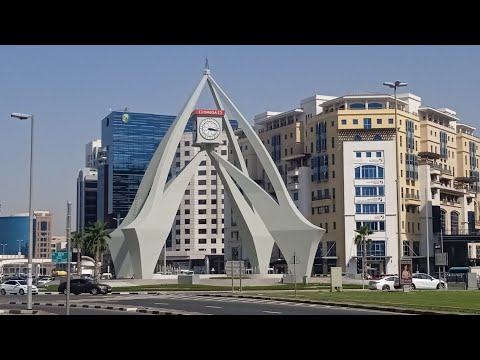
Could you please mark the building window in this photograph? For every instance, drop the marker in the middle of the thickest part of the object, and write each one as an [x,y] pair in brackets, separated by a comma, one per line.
[379,154]
[213,251]
[369,154]
[358,154]
[213,172]
[223,152]
[202,172]
[202,231]
[357,106]
[202,211]
[202,221]
[344,122]
[177,241]
[454,223]
[203,163]
[295,196]
[187,153]
[187,211]
[187,221]
[367,123]
[202,241]
[213,241]
[187,192]
[379,121]
[355,121]
[333,142]
[202,192]
[333,159]
[214,231]
[442,220]
[374,248]
[202,182]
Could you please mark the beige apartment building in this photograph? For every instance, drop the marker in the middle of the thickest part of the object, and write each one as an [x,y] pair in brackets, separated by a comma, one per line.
[198,232]
[339,158]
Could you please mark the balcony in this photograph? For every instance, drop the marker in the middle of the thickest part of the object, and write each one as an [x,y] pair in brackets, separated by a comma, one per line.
[446,174]
[412,199]
[450,203]
[322,200]
[293,186]
[435,169]
[293,171]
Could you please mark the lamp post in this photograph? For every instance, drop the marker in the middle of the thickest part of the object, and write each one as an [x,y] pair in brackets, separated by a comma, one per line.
[3,250]
[19,253]
[394,86]
[30,214]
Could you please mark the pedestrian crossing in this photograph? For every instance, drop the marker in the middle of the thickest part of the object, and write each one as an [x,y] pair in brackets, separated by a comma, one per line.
[236,299]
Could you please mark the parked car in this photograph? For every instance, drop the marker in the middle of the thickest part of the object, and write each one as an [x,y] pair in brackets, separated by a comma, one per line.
[84,286]
[16,287]
[425,281]
[387,283]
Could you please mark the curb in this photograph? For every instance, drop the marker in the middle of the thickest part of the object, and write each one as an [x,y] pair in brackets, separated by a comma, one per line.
[18,312]
[103,307]
[343,304]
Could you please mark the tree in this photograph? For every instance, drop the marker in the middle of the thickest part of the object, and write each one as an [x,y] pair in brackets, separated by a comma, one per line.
[362,239]
[96,236]
[78,242]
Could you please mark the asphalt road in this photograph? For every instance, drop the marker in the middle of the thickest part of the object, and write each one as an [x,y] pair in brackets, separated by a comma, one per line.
[200,304]
[73,311]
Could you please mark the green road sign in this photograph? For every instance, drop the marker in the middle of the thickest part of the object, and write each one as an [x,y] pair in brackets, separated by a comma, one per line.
[59,257]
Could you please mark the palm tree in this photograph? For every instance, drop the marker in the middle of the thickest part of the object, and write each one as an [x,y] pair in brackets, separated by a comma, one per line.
[96,242]
[78,241]
[362,238]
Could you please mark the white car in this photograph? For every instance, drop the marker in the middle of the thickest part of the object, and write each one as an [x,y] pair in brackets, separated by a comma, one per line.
[425,281]
[43,282]
[16,287]
[387,283]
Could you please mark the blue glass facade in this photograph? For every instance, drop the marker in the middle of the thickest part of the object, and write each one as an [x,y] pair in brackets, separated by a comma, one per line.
[130,140]
[13,228]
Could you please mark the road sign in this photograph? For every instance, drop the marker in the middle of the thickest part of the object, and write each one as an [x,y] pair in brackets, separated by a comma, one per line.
[441,259]
[59,257]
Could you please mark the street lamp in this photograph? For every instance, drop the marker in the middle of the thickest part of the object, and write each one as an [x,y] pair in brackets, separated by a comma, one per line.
[30,213]
[394,86]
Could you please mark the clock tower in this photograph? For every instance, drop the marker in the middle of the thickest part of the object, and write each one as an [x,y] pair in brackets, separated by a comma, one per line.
[207,126]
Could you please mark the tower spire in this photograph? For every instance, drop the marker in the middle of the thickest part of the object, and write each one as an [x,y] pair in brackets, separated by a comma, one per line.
[206,70]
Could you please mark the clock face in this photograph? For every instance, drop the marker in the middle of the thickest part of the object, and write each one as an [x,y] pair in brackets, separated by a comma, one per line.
[209,129]
[125,118]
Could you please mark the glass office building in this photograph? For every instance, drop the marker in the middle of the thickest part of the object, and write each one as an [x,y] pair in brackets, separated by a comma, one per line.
[129,141]
[14,235]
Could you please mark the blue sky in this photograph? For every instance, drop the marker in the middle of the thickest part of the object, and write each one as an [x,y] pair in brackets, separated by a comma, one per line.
[71,88]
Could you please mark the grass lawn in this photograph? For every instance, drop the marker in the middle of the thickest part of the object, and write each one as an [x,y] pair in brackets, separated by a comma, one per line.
[175,287]
[453,301]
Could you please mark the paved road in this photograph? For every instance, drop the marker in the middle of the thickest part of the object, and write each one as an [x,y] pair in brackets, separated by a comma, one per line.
[205,305]
[201,304]
[73,311]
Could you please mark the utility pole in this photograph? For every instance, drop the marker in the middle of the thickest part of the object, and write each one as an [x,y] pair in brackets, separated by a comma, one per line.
[428,223]
[69,244]
[295,272]
[241,261]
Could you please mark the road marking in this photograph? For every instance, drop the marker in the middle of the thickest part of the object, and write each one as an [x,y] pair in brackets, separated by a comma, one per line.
[161,303]
[271,312]
[213,307]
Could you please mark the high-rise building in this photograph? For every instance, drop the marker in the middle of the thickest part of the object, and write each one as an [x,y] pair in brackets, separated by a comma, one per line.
[198,231]
[42,234]
[91,153]
[340,159]
[87,181]
[128,143]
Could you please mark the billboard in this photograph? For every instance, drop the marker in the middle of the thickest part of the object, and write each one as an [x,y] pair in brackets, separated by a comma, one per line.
[405,271]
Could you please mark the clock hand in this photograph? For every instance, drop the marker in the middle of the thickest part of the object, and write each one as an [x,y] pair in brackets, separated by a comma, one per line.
[211,129]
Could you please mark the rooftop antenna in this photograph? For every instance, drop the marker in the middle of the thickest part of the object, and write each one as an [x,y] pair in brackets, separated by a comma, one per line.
[206,70]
